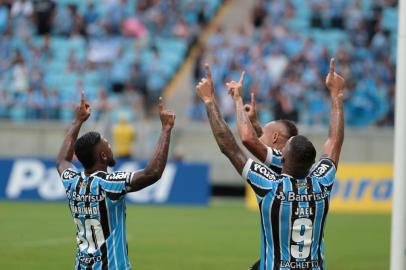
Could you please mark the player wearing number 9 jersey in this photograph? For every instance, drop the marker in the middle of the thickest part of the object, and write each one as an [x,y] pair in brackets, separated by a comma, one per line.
[97,198]
[293,204]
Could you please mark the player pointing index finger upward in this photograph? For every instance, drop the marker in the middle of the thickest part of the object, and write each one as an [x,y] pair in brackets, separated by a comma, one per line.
[265,144]
[97,198]
[293,205]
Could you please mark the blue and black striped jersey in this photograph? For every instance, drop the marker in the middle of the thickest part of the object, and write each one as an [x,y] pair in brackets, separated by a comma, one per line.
[97,204]
[293,213]
[274,160]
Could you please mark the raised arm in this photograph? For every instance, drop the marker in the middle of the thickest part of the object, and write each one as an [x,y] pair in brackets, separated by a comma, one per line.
[246,130]
[335,83]
[251,110]
[82,113]
[156,165]
[221,131]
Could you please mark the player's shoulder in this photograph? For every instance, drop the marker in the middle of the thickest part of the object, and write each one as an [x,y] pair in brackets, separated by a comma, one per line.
[324,166]
[70,173]
[263,171]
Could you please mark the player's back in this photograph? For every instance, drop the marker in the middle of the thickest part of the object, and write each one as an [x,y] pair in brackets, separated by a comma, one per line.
[98,207]
[293,213]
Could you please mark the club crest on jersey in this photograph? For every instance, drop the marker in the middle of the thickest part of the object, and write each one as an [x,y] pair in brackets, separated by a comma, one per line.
[262,170]
[117,176]
[301,185]
[83,184]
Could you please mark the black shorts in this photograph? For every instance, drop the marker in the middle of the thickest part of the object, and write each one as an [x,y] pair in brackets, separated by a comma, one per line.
[255,266]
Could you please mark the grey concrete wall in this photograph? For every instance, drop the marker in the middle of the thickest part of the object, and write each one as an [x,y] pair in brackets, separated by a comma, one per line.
[194,141]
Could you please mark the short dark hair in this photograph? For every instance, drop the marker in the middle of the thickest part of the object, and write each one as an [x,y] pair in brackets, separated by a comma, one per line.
[302,153]
[85,148]
[290,127]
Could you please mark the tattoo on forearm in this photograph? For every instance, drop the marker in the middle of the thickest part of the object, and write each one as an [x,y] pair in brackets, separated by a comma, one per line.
[243,122]
[258,128]
[158,161]
[224,137]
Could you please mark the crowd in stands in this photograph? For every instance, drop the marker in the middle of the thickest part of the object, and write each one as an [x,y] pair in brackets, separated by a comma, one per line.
[121,52]
[285,53]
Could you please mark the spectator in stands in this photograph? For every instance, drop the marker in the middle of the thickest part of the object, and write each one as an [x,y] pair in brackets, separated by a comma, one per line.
[119,72]
[44,12]
[101,105]
[5,103]
[21,13]
[73,62]
[53,104]
[156,79]
[259,14]
[138,80]
[20,75]
[123,138]
[283,107]
[116,13]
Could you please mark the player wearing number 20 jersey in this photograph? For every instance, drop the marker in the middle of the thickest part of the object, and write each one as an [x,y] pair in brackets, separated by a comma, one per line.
[98,207]
[293,213]
[97,198]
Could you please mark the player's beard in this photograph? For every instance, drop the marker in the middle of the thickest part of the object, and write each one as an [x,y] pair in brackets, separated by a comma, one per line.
[112,162]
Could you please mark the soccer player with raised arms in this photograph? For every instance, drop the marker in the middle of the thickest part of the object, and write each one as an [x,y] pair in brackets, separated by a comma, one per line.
[97,198]
[293,205]
[264,143]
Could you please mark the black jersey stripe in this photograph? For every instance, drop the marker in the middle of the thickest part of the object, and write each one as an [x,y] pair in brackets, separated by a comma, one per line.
[277,170]
[312,206]
[77,190]
[87,192]
[326,206]
[263,235]
[275,209]
[106,231]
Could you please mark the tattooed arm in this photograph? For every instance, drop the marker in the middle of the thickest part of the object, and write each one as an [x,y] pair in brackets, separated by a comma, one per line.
[156,165]
[335,83]
[246,130]
[224,137]
[64,159]
[251,110]
[220,129]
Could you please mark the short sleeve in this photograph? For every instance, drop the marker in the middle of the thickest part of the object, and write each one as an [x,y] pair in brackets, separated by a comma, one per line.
[68,176]
[116,184]
[273,157]
[324,171]
[261,178]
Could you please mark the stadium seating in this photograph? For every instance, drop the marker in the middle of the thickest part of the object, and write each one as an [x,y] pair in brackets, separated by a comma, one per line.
[362,38]
[88,61]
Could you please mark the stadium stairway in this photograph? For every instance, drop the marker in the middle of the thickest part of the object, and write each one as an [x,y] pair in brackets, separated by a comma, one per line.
[180,91]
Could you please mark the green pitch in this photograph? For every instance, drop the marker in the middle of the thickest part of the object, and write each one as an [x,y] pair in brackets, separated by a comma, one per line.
[220,237]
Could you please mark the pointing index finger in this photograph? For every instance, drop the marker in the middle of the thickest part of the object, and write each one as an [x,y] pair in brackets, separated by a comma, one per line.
[253,101]
[82,97]
[161,104]
[242,77]
[208,71]
[332,61]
